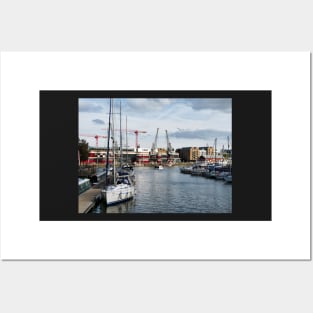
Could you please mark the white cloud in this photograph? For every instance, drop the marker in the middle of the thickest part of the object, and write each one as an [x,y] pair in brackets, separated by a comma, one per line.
[203,118]
[216,104]
[146,104]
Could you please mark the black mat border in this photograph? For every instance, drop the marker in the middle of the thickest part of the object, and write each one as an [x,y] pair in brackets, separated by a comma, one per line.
[251,137]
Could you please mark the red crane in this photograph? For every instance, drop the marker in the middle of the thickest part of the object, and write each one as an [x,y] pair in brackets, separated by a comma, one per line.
[94,136]
[136,132]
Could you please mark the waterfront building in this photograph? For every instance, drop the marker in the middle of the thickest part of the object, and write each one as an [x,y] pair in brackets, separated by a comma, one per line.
[143,156]
[211,158]
[161,155]
[208,149]
[188,154]
[98,156]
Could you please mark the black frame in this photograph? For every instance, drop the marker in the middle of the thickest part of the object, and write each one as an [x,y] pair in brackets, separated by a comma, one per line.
[251,137]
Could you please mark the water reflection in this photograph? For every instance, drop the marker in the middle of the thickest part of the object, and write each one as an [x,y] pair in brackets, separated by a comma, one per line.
[169,191]
[123,207]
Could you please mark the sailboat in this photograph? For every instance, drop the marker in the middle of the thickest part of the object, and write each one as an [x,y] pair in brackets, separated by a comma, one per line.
[123,188]
[229,178]
[125,169]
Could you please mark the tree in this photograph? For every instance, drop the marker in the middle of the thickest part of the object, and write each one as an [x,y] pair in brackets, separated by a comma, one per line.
[83,149]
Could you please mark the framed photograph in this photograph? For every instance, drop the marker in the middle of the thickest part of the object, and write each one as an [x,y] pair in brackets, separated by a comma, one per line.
[177,166]
[129,176]
[155,156]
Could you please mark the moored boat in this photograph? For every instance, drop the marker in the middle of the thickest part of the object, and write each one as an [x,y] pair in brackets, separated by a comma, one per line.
[123,188]
[211,174]
[199,169]
[228,179]
[222,175]
[99,175]
[83,185]
[127,170]
[186,170]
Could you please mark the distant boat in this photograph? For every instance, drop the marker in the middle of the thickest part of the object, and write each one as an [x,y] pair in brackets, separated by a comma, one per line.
[211,174]
[159,167]
[222,175]
[199,169]
[228,179]
[186,170]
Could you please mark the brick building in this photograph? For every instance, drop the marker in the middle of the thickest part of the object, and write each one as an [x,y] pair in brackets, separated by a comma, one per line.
[188,154]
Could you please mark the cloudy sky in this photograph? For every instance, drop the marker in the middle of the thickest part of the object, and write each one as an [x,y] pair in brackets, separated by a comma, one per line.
[189,121]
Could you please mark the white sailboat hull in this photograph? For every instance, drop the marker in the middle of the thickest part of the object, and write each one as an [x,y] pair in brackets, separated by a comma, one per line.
[118,193]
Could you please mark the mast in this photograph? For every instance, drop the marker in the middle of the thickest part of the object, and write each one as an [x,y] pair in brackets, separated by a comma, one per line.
[121,151]
[215,153]
[108,146]
[114,175]
[126,143]
[231,155]
[228,152]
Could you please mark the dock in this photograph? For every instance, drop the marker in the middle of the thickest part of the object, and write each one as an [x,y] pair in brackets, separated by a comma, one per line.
[88,199]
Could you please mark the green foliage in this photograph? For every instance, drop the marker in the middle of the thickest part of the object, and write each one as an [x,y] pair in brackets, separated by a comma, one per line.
[83,149]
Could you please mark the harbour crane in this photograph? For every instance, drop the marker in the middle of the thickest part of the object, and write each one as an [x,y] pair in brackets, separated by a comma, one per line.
[136,132]
[169,145]
[172,156]
[155,143]
[93,136]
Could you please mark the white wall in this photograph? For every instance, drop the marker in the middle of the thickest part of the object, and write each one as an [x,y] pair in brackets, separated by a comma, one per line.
[243,286]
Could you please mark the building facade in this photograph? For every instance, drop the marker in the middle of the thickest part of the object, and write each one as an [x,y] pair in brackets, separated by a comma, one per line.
[143,156]
[188,154]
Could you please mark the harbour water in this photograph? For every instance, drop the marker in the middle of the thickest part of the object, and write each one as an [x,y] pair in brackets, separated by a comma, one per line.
[169,191]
